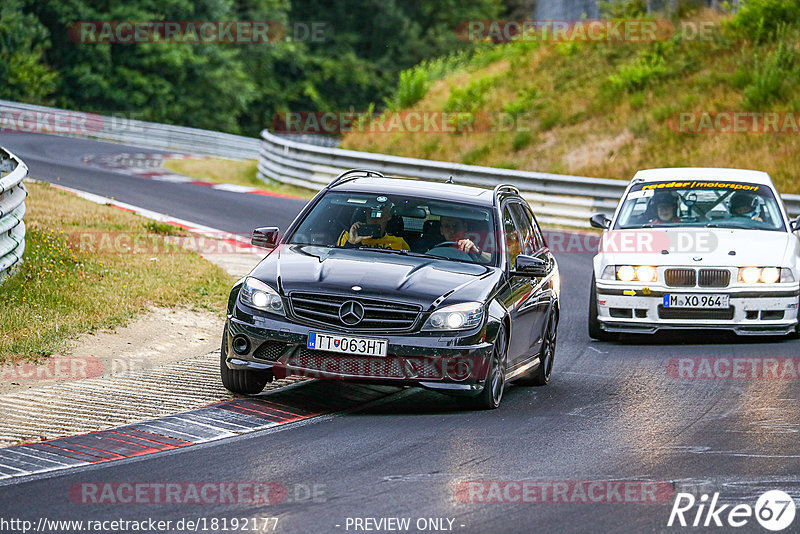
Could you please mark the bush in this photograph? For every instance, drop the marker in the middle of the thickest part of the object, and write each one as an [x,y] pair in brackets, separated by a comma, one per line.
[647,67]
[769,76]
[759,20]
[415,82]
[521,140]
[471,97]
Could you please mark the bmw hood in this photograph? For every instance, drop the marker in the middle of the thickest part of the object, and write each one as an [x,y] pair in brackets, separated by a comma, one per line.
[378,274]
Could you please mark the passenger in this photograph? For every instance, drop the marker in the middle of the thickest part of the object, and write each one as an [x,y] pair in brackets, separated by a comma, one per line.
[744,205]
[380,216]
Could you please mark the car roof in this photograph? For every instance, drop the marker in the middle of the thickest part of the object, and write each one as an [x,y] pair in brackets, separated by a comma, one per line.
[434,190]
[704,173]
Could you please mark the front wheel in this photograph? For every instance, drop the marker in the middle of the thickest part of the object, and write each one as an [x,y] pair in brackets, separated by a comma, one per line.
[495,384]
[240,381]
[595,330]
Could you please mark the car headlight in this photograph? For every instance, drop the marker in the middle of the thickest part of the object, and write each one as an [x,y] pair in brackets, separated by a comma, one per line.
[456,317]
[259,295]
[637,273]
[609,273]
[765,275]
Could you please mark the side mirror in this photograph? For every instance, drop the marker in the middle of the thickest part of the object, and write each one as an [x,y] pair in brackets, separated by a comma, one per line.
[600,220]
[531,266]
[795,224]
[266,237]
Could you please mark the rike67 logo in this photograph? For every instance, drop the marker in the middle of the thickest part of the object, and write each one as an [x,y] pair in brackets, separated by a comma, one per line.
[774,510]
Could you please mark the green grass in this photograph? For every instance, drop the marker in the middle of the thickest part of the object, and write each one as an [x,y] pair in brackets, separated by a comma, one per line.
[608,109]
[76,280]
[237,172]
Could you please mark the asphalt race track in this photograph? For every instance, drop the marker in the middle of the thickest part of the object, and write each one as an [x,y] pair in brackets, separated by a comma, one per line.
[614,413]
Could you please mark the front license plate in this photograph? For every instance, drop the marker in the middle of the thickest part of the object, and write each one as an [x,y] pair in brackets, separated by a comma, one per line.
[347,344]
[672,300]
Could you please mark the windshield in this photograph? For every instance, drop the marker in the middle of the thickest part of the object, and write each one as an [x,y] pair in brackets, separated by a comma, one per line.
[700,204]
[403,224]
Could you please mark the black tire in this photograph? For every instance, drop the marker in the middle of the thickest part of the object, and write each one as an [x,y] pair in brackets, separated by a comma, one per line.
[547,354]
[595,330]
[240,381]
[492,393]
[796,333]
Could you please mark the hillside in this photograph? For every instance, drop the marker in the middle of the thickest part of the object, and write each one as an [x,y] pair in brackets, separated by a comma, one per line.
[606,109]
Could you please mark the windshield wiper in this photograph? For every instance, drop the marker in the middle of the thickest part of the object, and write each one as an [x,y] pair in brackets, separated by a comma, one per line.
[734,226]
[393,251]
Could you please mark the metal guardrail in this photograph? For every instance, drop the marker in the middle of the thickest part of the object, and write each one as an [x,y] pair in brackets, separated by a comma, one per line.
[40,119]
[555,198]
[12,211]
[312,162]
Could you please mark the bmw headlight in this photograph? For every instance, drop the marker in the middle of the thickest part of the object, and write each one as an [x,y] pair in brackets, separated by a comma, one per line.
[765,275]
[637,273]
[259,295]
[456,317]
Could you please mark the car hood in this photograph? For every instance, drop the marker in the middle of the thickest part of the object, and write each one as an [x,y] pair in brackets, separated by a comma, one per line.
[379,274]
[699,247]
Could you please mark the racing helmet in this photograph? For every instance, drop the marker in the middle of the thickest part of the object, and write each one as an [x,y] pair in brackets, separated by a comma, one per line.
[741,199]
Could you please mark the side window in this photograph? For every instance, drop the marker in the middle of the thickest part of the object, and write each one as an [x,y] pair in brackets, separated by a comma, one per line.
[512,237]
[539,242]
[523,223]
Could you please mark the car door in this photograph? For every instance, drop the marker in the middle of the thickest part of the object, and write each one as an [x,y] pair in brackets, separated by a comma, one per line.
[539,300]
[518,299]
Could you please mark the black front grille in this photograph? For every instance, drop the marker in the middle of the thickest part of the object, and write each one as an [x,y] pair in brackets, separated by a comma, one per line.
[270,350]
[378,314]
[724,314]
[680,277]
[714,277]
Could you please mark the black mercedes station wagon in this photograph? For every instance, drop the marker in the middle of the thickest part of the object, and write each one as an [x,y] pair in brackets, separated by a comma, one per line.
[438,285]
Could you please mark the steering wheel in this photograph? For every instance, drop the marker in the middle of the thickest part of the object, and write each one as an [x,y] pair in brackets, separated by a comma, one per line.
[472,255]
[444,244]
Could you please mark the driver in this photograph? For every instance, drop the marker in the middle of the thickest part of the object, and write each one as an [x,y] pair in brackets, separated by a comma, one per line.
[380,216]
[453,230]
[666,205]
[744,205]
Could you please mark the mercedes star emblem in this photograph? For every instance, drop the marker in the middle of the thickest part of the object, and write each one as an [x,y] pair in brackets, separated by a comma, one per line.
[351,312]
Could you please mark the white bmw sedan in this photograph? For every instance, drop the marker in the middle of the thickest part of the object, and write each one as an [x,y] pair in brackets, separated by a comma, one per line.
[696,248]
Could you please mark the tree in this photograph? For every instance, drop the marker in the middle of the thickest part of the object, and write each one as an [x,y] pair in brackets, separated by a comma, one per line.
[23,40]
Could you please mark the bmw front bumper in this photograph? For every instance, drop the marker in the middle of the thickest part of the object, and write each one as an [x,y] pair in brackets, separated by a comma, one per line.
[766,311]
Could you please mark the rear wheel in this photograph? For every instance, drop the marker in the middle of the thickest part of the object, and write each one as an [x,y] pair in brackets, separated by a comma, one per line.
[492,393]
[240,381]
[595,330]
[541,376]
